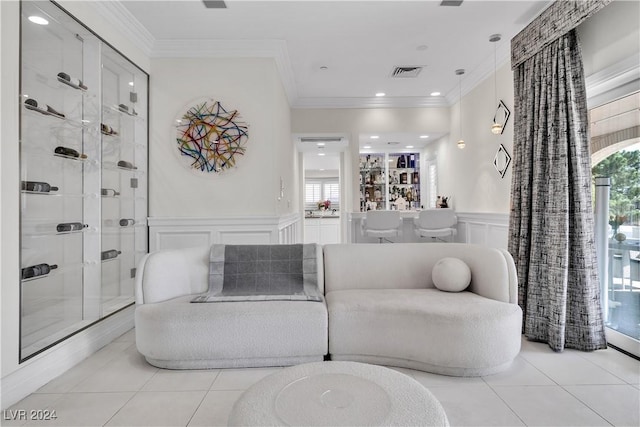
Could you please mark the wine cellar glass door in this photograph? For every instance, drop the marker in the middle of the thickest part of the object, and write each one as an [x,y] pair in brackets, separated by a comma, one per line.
[65,284]
[123,191]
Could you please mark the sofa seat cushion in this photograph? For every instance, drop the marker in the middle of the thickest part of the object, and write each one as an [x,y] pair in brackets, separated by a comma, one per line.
[441,332]
[178,334]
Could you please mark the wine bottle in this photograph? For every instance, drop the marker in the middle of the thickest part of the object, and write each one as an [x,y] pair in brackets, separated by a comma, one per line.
[74,81]
[110,254]
[37,270]
[126,222]
[107,130]
[126,165]
[69,152]
[40,187]
[109,192]
[70,226]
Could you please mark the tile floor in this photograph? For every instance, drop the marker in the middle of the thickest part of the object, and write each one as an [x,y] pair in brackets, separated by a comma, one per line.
[116,387]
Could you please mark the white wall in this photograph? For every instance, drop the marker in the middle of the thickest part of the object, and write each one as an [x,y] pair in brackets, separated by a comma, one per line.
[610,43]
[610,36]
[468,176]
[252,87]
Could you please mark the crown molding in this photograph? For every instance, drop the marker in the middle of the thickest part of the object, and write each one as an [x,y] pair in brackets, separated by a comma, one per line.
[276,49]
[605,85]
[371,102]
[124,22]
[484,70]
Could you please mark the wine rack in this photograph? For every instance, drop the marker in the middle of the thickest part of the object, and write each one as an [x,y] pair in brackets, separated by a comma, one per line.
[389,181]
[83,161]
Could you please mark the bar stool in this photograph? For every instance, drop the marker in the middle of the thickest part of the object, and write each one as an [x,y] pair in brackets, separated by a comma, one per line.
[382,224]
[437,224]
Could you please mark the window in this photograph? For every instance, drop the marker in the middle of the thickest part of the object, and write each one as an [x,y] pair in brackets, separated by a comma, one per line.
[332,193]
[316,190]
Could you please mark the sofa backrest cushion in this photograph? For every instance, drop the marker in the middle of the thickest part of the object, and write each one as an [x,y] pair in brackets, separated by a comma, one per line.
[173,273]
[169,274]
[409,266]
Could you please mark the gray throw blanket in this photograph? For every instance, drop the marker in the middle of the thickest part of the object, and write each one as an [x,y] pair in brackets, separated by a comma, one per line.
[262,273]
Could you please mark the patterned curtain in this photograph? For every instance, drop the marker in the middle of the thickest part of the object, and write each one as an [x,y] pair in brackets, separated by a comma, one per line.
[551,230]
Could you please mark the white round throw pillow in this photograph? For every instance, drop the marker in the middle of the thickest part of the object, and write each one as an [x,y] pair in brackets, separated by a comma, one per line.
[451,275]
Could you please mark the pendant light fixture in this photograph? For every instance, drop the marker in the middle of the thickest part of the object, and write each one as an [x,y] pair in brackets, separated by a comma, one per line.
[496,128]
[459,73]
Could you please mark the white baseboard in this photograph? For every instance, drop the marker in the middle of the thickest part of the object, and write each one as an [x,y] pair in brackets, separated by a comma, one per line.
[36,372]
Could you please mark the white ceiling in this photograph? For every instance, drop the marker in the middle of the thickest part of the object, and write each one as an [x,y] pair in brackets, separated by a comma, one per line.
[360,42]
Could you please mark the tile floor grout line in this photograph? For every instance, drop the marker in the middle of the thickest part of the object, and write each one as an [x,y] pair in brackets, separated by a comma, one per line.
[602,367]
[204,396]
[120,409]
[541,371]
[585,403]
[215,379]
[505,402]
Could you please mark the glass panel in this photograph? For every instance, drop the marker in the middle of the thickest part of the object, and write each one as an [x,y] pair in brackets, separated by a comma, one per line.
[79,201]
[620,264]
[123,188]
[59,158]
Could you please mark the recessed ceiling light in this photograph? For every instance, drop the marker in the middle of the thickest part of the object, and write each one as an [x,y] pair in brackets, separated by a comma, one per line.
[321,169]
[321,144]
[380,94]
[424,136]
[130,83]
[409,146]
[38,20]
[321,154]
[435,93]
[366,146]
[324,67]
[374,137]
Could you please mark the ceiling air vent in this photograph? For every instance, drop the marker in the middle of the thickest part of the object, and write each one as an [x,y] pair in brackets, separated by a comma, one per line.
[405,72]
[451,2]
[321,139]
[214,4]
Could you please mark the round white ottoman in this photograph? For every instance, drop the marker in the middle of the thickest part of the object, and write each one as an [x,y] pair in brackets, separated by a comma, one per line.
[337,394]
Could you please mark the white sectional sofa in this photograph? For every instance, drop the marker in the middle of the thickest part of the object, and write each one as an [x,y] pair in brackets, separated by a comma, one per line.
[381,307]
[384,308]
[172,332]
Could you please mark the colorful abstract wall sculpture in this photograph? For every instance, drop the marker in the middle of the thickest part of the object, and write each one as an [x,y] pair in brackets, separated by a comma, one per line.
[210,137]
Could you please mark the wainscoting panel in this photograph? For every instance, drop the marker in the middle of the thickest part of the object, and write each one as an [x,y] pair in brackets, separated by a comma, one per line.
[177,233]
[488,229]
